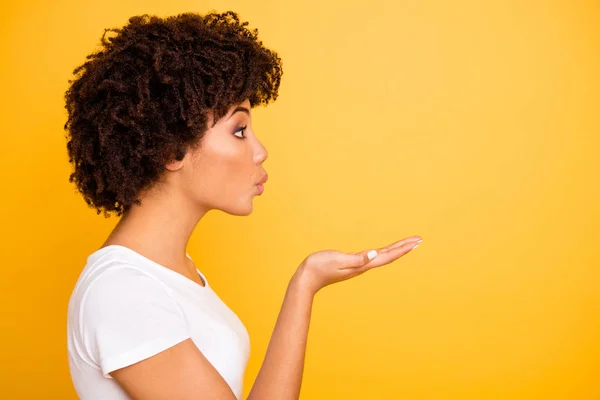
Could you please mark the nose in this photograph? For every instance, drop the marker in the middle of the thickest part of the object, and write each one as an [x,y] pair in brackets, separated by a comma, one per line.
[261,154]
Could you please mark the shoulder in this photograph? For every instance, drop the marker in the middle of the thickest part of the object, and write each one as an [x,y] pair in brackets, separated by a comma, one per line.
[118,308]
[110,270]
[113,283]
[120,286]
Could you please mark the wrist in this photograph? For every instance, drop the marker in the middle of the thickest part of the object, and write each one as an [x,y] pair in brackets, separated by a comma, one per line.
[302,284]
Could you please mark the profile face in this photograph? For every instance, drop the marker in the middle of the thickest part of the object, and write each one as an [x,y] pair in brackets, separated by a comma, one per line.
[224,171]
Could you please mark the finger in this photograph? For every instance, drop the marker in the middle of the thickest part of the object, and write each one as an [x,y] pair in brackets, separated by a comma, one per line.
[391,255]
[359,258]
[394,245]
[366,256]
[400,243]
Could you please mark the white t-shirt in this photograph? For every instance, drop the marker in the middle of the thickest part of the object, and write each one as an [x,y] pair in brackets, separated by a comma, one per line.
[126,308]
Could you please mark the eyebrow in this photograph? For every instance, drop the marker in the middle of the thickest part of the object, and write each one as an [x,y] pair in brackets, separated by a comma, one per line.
[239,108]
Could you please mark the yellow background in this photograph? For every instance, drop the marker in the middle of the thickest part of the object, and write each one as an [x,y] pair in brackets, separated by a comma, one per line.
[474,124]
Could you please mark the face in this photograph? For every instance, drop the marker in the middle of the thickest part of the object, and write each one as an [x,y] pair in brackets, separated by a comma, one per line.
[223,172]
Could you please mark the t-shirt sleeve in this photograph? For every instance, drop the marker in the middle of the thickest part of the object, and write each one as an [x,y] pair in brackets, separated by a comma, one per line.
[129,316]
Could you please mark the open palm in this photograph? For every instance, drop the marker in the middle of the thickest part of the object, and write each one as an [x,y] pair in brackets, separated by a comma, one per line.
[329,266]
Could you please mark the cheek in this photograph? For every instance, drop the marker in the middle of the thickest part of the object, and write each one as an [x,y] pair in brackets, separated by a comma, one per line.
[222,172]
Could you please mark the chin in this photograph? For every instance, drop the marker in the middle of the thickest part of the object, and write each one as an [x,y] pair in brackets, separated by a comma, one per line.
[240,211]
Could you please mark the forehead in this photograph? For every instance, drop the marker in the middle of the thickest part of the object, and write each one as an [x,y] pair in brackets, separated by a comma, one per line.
[244,107]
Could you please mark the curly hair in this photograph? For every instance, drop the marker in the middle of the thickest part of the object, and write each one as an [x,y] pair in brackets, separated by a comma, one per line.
[143,99]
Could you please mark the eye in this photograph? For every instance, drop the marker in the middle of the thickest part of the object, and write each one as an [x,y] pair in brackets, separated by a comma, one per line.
[242,129]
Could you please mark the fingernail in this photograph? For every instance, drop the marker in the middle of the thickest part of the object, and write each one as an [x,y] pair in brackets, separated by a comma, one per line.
[372,254]
[415,246]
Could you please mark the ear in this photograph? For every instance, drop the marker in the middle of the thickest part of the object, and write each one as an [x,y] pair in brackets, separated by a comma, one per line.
[177,163]
[174,165]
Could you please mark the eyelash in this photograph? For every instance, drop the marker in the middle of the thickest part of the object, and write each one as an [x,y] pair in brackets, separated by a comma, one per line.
[243,128]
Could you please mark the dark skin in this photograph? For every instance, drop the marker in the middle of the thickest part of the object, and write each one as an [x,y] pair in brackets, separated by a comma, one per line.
[150,93]
[223,174]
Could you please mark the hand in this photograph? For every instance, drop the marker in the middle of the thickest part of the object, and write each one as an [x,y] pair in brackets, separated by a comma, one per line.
[325,267]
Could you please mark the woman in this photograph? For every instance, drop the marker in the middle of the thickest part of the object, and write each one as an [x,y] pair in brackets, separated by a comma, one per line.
[160,132]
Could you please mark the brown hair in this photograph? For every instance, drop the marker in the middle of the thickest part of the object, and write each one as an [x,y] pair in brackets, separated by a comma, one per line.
[143,99]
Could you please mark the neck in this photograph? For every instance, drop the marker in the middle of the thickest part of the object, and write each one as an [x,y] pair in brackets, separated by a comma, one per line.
[159,228]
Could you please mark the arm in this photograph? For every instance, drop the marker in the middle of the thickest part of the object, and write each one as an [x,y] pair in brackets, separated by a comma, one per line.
[184,373]
[280,375]
[180,372]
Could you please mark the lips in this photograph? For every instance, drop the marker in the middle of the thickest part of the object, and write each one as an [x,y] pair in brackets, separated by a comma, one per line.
[263,180]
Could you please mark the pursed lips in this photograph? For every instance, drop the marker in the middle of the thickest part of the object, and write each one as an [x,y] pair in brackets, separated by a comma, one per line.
[263,180]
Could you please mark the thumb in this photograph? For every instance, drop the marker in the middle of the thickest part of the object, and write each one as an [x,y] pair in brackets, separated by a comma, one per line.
[362,257]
